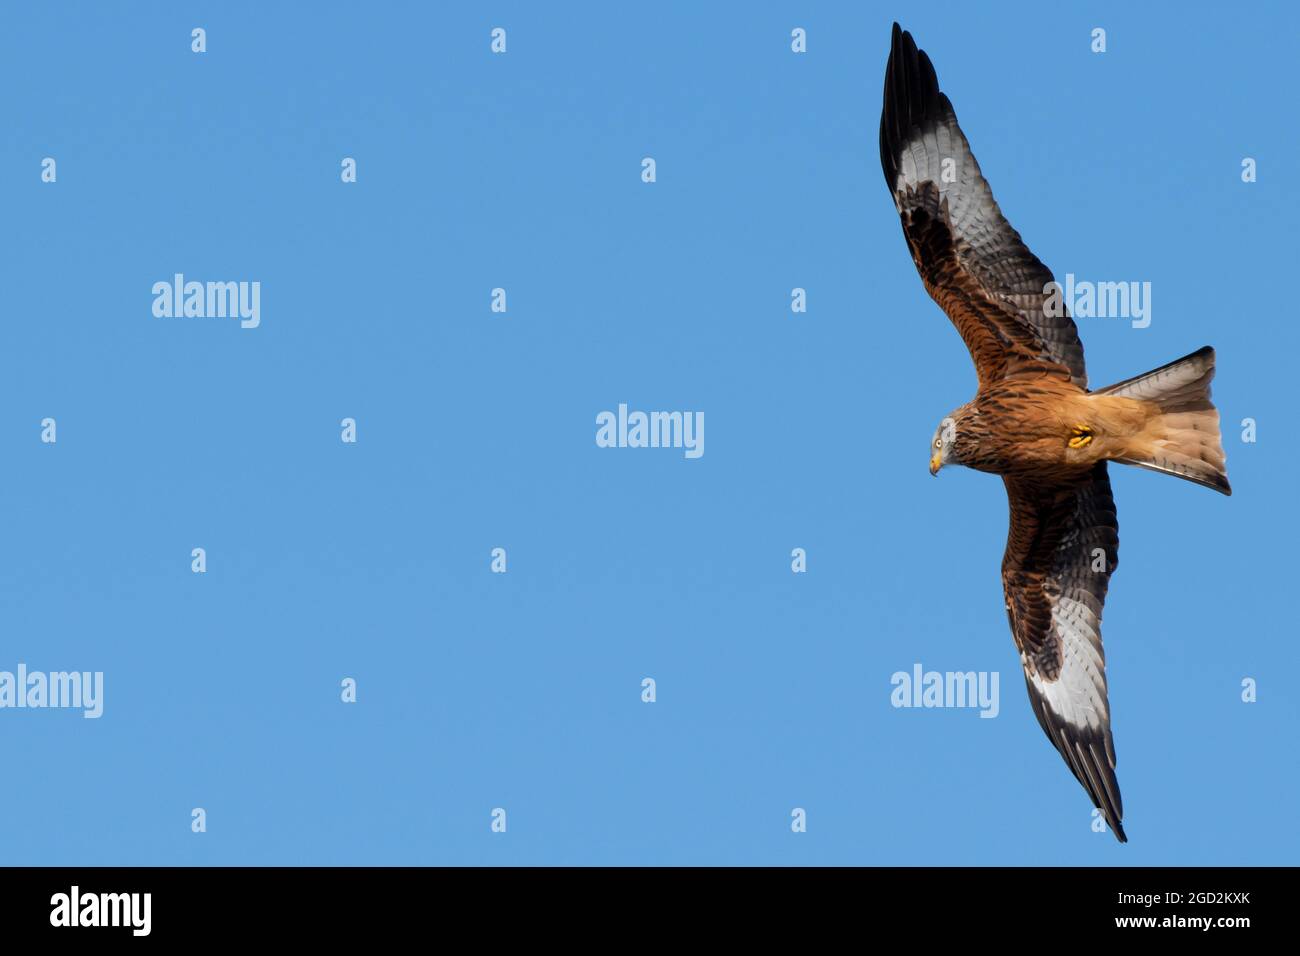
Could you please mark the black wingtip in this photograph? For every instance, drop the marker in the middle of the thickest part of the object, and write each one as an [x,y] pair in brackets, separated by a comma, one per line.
[911,98]
[890,132]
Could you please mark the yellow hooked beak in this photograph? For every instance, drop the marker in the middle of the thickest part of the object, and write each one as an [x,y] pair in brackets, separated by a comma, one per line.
[935,464]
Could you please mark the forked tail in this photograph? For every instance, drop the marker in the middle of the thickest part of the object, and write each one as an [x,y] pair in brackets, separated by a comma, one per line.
[1180,436]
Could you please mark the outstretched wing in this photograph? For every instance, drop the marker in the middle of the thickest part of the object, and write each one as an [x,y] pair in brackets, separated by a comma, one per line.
[971,261]
[1061,550]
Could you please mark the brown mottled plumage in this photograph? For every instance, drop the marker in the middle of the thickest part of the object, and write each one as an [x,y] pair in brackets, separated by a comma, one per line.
[1033,420]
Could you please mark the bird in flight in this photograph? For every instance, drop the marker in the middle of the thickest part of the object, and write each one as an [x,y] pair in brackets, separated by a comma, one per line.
[1033,419]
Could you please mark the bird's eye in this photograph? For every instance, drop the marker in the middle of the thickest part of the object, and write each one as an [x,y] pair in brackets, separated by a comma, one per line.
[938,443]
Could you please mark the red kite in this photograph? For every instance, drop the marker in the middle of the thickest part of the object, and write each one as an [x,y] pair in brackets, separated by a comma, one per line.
[1033,420]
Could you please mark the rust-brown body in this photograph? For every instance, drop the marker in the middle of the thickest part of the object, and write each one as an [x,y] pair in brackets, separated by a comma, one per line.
[1044,427]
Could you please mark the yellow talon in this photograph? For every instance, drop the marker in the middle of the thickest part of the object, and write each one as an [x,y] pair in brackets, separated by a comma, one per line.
[1080,436]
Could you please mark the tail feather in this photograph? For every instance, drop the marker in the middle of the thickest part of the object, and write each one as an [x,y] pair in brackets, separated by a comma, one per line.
[1180,436]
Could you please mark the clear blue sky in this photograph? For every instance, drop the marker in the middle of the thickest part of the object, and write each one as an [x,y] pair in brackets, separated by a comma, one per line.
[476,430]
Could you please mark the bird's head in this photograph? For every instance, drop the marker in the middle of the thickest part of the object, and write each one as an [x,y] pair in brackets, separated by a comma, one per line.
[941,446]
